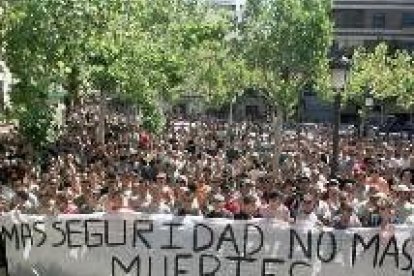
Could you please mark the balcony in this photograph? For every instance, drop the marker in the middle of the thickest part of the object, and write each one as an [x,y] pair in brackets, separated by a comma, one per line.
[373,4]
[375,34]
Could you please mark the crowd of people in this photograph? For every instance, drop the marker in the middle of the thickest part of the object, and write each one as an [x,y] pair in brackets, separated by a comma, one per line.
[208,168]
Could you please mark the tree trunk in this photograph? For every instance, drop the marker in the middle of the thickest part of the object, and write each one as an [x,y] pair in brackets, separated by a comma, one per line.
[299,119]
[335,135]
[277,124]
[101,124]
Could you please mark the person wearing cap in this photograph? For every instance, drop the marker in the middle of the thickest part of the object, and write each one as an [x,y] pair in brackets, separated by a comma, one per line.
[275,209]
[218,210]
[404,208]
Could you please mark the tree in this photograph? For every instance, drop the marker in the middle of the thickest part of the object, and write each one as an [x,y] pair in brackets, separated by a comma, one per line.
[386,75]
[403,80]
[216,73]
[370,69]
[287,43]
[212,69]
[134,49]
[48,44]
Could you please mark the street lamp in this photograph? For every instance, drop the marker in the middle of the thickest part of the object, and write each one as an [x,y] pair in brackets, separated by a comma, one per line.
[233,101]
[230,121]
[368,105]
[369,101]
[339,76]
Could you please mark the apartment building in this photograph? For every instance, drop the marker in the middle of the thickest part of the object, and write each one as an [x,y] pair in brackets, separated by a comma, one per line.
[357,23]
[367,22]
[362,22]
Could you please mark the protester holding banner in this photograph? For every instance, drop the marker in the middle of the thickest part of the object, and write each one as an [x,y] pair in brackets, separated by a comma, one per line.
[276,209]
[346,218]
[192,170]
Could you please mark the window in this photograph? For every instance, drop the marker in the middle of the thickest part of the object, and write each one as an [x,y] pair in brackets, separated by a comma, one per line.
[353,19]
[309,93]
[378,21]
[408,46]
[407,20]
[252,111]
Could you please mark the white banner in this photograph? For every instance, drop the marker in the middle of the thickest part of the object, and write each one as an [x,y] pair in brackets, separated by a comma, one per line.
[162,245]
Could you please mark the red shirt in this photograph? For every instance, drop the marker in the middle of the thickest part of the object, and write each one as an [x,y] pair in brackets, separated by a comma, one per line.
[144,140]
[232,206]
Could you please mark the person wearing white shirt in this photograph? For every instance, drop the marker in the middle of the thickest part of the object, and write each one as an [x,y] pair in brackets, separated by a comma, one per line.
[306,214]
[276,209]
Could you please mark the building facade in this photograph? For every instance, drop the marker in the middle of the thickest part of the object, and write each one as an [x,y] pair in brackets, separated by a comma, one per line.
[367,22]
[356,23]
[364,23]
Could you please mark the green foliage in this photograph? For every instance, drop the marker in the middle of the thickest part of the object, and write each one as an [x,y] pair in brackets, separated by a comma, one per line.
[150,51]
[210,65]
[141,50]
[216,73]
[37,125]
[388,75]
[153,119]
[287,42]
